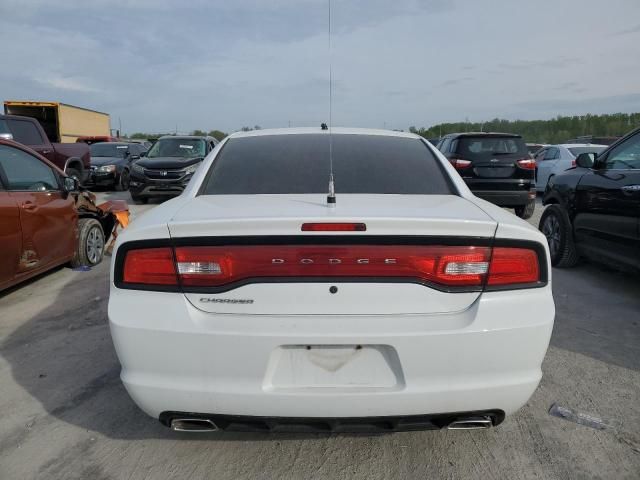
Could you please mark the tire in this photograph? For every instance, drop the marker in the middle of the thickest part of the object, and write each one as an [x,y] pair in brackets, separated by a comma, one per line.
[90,248]
[75,173]
[123,181]
[556,226]
[142,200]
[526,211]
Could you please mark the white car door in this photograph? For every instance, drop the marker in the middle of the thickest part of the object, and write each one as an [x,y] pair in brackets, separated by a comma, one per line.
[545,167]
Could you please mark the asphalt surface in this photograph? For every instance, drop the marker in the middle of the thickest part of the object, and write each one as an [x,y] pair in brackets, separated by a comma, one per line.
[65,414]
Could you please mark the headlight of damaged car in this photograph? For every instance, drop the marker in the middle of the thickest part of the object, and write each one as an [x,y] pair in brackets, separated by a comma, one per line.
[138,168]
[192,168]
[107,168]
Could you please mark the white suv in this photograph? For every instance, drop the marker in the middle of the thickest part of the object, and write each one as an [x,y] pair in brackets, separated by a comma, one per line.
[252,302]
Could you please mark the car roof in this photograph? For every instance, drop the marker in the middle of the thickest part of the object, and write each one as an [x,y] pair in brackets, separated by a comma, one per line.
[319,130]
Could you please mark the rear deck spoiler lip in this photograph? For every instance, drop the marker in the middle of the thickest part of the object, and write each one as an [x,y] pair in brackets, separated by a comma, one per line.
[327,240]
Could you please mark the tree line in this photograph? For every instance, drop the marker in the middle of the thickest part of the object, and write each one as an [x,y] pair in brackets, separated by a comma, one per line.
[555,130]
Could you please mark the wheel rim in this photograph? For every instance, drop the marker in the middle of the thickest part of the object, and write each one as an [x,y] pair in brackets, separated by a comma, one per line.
[124,180]
[551,230]
[95,245]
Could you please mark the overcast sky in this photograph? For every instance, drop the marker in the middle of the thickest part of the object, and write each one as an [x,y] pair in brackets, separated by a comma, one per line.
[161,64]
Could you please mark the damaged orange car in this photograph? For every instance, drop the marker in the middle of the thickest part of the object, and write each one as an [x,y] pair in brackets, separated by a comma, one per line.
[46,220]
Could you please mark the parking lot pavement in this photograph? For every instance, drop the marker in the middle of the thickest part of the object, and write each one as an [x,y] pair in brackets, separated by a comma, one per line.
[65,413]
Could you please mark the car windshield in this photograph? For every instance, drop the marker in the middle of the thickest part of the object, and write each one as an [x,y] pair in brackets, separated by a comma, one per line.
[575,151]
[178,147]
[288,164]
[109,150]
[481,147]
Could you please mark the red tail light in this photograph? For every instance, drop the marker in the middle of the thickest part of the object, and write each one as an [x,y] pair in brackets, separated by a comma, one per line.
[222,266]
[511,266]
[150,266]
[334,227]
[459,163]
[573,162]
[527,163]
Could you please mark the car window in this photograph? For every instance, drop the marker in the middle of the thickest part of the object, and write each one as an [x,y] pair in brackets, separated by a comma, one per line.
[575,151]
[444,147]
[25,132]
[108,149]
[541,154]
[23,171]
[4,128]
[489,146]
[552,154]
[287,164]
[625,156]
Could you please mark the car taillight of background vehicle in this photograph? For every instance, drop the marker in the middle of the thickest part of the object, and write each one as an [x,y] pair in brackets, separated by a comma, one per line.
[460,163]
[458,268]
[527,163]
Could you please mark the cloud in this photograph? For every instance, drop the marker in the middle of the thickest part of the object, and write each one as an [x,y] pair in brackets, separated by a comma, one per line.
[68,83]
[629,31]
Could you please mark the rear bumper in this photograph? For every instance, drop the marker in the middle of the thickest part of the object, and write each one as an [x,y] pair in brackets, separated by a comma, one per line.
[176,358]
[506,199]
[237,423]
[503,192]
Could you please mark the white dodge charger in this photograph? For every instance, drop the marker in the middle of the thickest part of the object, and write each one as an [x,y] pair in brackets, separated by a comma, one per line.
[253,302]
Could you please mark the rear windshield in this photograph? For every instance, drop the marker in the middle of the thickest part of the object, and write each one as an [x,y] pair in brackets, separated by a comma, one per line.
[575,151]
[286,164]
[473,148]
[107,149]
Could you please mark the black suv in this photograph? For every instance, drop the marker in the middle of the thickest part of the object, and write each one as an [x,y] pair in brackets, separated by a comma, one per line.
[594,209]
[495,166]
[168,166]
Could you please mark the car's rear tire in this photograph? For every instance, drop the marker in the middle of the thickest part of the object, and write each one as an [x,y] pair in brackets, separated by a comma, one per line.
[123,181]
[556,226]
[90,248]
[526,211]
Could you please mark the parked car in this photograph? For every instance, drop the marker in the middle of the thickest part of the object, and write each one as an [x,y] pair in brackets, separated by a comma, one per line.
[45,220]
[555,159]
[495,166]
[71,158]
[594,209]
[258,301]
[111,163]
[168,166]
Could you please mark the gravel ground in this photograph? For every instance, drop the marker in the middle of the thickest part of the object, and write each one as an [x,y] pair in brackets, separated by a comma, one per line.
[67,416]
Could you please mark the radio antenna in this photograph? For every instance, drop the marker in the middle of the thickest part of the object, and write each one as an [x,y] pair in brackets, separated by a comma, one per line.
[331,197]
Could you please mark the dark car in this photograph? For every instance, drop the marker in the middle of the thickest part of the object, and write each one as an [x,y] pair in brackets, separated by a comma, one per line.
[496,166]
[594,209]
[71,158]
[168,166]
[111,163]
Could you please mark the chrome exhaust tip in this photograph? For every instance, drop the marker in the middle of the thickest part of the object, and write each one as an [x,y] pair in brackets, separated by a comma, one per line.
[193,425]
[471,423]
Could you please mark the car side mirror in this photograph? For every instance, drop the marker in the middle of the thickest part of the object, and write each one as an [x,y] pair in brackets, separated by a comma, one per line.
[586,160]
[70,185]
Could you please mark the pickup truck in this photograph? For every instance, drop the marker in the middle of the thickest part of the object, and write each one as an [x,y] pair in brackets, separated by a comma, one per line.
[72,158]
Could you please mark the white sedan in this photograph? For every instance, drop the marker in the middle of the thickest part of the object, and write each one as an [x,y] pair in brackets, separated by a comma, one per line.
[555,159]
[254,302]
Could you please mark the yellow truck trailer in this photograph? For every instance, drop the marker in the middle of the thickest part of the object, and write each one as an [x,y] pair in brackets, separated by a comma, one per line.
[61,122]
